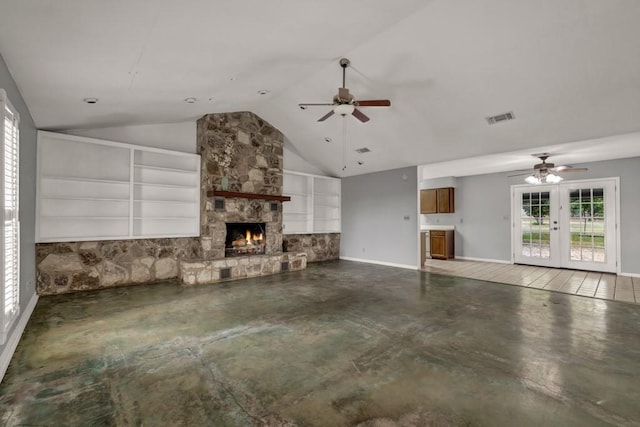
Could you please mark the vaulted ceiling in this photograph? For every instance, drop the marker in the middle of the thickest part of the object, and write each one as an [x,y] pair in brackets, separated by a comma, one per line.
[568,70]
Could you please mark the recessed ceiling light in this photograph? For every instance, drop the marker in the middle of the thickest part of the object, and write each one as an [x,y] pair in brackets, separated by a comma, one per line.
[327,139]
[190,100]
[263,91]
[91,100]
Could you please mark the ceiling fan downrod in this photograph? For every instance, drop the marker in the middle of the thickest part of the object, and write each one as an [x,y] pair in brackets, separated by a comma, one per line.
[344,63]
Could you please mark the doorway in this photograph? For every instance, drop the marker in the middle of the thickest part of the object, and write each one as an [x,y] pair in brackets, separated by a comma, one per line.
[570,225]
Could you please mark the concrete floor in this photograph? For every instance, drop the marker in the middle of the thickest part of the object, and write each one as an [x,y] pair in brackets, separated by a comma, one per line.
[340,343]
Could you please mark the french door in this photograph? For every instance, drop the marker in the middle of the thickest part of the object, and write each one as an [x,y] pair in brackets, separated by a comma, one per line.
[570,225]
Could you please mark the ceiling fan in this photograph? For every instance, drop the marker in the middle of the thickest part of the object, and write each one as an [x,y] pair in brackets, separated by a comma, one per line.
[345,103]
[547,172]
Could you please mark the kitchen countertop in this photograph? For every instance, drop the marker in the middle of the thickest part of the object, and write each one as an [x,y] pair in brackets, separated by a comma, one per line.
[436,227]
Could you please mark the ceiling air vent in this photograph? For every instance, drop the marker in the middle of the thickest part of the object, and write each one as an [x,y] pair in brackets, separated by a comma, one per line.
[362,150]
[501,118]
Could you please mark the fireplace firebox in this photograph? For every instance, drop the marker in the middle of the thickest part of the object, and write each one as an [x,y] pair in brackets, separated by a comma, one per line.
[245,239]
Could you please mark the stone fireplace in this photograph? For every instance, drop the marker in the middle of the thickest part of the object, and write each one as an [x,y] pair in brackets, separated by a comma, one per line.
[246,153]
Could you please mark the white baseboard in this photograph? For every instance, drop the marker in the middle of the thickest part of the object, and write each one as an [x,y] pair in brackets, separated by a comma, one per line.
[14,339]
[629,274]
[388,264]
[468,258]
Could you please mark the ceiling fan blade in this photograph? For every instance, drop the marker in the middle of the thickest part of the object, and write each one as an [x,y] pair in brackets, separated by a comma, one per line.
[519,174]
[360,116]
[312,105]
[569,169]
[326,116]
[374,103]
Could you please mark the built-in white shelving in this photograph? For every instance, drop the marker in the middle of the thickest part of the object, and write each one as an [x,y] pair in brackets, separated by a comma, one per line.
[314,206]
[92,189]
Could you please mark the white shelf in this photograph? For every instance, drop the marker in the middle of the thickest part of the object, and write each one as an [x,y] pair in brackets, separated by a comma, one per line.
[159,168]
[315,204]
[69,217]
[168,218]
[175,202]
[90,199]
[78,179]
[92,189]
[152,184]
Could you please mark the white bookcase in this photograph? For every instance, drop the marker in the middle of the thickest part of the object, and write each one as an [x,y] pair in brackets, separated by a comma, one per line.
[91,189]
[326,205]
[314,206]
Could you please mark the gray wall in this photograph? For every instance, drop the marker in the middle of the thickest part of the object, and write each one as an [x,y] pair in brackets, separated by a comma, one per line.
[27,189]
[374,207]
[483,211]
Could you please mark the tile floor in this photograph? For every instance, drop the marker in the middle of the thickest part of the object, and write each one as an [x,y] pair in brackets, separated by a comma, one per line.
[585,283]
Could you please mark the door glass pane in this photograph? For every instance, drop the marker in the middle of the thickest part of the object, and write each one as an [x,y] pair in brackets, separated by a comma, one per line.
[535,225]
[587,225]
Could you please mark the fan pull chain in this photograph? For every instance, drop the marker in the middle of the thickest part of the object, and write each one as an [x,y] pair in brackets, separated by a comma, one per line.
[344,143]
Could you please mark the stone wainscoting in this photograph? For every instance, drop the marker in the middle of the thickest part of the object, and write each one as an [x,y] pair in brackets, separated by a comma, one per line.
[197,272]
[79,266]
[317,247]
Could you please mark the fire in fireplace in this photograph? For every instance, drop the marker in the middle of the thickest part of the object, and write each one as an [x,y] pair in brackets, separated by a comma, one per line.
[245,239]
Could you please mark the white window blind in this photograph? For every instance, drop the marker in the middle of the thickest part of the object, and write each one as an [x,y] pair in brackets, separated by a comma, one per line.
[11,228]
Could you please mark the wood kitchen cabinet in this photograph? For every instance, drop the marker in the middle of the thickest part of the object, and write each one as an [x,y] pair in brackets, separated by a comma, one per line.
[429,201]
[442,245]
[437,200]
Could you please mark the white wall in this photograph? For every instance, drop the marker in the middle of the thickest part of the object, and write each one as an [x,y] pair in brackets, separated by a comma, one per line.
[170,136]
[182,137]
[379,221]
[295,161]
[27,215]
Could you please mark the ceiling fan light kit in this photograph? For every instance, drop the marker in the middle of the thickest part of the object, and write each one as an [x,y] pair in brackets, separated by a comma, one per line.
[543,179]
[344,109]
[543,173]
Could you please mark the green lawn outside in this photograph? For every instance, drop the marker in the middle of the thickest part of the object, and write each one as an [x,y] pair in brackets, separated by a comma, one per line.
[576,238]
[581,231]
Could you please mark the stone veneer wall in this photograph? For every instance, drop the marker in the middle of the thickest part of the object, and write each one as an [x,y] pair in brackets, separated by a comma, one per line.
[77,266]
[248,151]
[318,247]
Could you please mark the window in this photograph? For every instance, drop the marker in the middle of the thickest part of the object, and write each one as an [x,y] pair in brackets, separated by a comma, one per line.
[9,136]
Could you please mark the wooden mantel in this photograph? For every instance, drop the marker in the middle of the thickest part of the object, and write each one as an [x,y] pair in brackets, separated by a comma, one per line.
[231,194]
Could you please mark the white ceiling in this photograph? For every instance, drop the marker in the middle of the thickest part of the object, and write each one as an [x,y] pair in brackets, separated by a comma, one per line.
[567,69]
